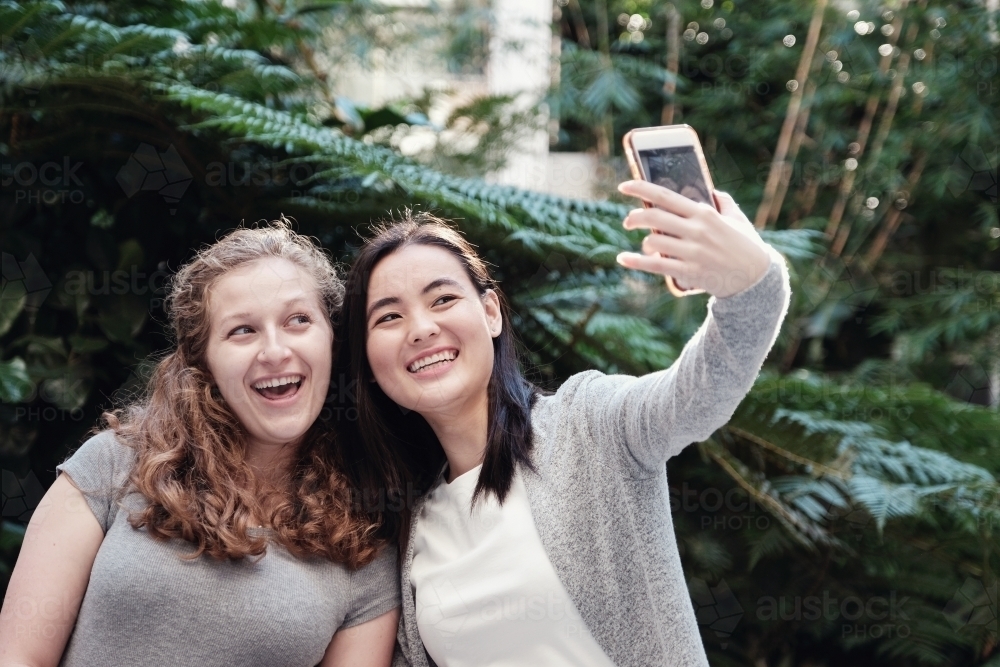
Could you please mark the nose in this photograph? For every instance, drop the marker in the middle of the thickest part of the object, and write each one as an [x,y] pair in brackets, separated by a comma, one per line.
[274,350]
[423,326]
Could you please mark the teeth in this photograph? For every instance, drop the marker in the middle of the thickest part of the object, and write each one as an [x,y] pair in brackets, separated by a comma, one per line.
[447,355]
[277,382]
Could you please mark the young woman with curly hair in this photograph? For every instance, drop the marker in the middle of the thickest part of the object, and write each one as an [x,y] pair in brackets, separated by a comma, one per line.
[210,523]
[544,534]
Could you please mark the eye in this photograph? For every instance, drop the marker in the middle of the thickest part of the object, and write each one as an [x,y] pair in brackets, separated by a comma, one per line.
[445,299]
[302,318]
[388,317]
[240,330]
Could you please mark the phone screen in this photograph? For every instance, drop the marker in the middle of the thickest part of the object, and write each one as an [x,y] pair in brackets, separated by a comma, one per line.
[676,169]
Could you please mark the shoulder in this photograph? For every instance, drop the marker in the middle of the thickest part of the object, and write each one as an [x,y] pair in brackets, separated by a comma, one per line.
[380,576]
[102,459]
[577,414]
[376,588]
[104,444]
[100,469]
[384,564]
[568,389]
[107,448]
[579,391]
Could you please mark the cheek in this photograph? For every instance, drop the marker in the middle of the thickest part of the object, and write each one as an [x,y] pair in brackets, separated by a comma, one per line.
[230,386]
[218,372]
[379,357]
[323,356]
[485,367]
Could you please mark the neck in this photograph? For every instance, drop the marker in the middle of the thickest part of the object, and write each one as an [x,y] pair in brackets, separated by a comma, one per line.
[270,461]
[462,434]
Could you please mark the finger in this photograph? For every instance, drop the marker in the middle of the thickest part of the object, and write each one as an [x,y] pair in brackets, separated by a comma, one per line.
[659,220]
[658,195]
[728,207]
[663,266]
[725,203]
[666,245]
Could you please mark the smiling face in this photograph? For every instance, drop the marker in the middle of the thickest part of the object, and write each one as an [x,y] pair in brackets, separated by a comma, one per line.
[430,333]
[270,348]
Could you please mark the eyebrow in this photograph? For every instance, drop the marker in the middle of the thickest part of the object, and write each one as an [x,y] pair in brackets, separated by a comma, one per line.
[242,316]
[434,284]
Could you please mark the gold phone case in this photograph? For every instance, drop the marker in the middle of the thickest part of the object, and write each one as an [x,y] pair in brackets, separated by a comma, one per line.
[635,166]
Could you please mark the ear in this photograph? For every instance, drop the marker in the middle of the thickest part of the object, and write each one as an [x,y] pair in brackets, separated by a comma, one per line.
[494,319]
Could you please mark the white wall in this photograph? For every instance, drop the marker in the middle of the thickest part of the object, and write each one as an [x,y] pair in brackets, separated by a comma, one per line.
[521,65]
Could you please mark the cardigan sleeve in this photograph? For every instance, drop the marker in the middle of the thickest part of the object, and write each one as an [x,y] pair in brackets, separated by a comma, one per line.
[652,418]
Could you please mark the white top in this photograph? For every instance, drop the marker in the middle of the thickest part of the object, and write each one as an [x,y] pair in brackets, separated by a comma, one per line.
[485,590]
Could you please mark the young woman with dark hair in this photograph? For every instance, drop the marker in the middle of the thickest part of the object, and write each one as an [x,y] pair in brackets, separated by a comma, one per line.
[210,523]
[544,534]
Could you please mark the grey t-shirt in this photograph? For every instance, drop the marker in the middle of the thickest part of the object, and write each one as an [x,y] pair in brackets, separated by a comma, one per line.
[147,606]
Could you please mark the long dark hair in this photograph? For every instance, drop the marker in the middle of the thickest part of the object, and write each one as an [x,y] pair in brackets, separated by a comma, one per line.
[392,454]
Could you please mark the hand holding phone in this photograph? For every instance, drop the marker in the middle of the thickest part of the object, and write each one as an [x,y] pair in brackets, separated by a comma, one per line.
[700,237]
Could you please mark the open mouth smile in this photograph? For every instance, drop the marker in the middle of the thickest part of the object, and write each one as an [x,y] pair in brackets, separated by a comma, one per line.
[279,388]
[433,362]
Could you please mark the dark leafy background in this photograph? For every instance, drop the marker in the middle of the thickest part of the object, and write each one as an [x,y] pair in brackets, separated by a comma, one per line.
[862,466]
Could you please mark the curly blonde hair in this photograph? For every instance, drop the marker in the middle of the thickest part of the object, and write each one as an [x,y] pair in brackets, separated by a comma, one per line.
[190,446]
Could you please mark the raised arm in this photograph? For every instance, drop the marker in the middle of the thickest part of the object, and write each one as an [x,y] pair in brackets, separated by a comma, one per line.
[50,578]
[655,416]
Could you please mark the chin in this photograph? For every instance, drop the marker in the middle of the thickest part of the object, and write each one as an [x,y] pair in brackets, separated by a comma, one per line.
[287,434]
[440,398]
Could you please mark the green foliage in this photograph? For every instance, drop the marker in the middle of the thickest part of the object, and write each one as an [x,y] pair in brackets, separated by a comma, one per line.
[861,468]
[869,442]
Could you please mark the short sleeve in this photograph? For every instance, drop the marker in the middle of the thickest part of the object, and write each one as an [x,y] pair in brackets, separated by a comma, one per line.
[100,469]
[375,589]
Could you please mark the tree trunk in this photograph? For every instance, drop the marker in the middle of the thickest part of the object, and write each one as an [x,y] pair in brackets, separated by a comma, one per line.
[864,129]
[605,131]
[673,64]
[778,166]
[895,214]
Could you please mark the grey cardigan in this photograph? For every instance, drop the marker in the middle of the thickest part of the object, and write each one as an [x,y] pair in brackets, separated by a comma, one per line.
[599,493]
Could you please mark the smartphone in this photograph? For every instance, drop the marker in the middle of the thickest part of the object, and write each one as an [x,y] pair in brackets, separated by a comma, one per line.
[671,156]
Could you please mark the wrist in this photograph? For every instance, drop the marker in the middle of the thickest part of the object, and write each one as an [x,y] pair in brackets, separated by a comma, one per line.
[742,279]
